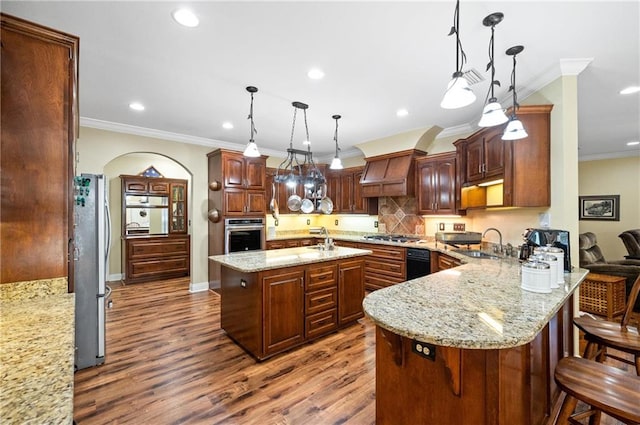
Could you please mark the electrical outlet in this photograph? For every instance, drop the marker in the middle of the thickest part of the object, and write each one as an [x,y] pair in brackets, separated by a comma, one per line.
[375,224]
[441,227]
[458,227]
[336,222]
[423,349]
[308,221]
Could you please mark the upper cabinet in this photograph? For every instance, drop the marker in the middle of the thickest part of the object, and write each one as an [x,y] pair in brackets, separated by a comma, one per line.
[436,184]
[345,190]
[243,183]
[521,167]
[39,127]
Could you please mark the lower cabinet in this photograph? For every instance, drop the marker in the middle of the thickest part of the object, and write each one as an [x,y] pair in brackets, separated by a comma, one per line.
[385,266]
[440,261]
[272,311]
[154,258]
[290,243]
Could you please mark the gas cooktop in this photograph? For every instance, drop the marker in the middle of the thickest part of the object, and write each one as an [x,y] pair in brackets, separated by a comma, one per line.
[391,238]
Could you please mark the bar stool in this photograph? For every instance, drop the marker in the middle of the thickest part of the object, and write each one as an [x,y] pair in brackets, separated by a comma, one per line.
[601,334]
[605,389]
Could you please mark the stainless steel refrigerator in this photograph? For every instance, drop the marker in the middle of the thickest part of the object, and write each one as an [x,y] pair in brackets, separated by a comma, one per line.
[92,230]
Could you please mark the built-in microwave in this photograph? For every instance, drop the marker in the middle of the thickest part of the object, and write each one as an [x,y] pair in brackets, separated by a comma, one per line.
[244,234]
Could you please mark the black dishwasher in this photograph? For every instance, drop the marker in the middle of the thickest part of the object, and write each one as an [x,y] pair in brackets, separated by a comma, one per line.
[418,263]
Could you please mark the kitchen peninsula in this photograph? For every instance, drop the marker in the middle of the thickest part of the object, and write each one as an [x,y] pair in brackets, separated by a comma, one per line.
[468,345]
[272,301]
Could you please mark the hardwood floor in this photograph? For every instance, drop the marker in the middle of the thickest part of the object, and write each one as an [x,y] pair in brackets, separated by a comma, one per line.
[168,362]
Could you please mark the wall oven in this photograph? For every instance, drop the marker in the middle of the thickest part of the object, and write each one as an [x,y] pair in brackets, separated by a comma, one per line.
[244,234]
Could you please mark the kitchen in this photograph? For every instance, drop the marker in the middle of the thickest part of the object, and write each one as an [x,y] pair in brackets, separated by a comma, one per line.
[98,147]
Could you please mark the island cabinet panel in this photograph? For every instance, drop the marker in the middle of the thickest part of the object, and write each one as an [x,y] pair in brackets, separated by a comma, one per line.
[241,308]
[283,309]
[471,386]
[321,300]
[351,291]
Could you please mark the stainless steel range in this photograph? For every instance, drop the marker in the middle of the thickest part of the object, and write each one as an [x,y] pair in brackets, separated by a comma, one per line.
[391,238]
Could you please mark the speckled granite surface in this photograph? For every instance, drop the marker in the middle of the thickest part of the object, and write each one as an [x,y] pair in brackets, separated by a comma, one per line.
[477,305]
[36,360]
[33,289]
[255,261]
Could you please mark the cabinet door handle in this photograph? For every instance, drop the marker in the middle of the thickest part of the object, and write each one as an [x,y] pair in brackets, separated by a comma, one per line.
[479,168]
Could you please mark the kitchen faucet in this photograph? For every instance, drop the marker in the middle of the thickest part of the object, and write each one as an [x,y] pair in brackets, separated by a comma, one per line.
[499,234]
[323,230]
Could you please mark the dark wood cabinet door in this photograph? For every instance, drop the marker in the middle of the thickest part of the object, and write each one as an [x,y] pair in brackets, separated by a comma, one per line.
[350,291]
[360,204]
[333,190]
[233,170]
[346,192]
[256,202]
[426,187]
[494,153]
[283,300]
[445,187]
[39,109]
[234,201]
[255,172]
[475,160]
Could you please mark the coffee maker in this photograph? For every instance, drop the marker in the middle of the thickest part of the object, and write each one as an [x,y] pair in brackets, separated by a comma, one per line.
[547,237]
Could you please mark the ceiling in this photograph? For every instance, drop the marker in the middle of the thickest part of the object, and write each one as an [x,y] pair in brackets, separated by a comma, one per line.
[377,57]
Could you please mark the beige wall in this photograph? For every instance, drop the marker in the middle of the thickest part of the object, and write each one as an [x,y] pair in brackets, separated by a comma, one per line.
[110,153]
[619,176]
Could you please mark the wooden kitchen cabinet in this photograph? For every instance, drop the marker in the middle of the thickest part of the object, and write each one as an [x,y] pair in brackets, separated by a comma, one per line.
[283,309]
[385,266]
[524,166]
[243,172]
[441,261]
[350,291]
[39,129]
[156,258]
[344,189]
[436,184]
[321,300]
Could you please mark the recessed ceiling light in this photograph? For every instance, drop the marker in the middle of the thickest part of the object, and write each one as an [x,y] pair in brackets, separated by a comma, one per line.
[630,90]
[186,17]
[227,125]
[136,106]
[402,112]
[315,74]
[634,143]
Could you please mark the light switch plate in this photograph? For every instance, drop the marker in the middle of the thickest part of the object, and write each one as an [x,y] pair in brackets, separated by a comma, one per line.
[441,227]
[458,227]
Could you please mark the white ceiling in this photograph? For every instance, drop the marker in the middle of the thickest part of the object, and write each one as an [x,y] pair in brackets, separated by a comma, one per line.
[377,57]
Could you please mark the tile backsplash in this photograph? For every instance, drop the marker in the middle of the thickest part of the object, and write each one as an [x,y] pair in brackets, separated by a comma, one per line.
[399,215]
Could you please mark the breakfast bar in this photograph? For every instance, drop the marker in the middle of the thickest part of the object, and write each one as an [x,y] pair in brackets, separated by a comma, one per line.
[468,345]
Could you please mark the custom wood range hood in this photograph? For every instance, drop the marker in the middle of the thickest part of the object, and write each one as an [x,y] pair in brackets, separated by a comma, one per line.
[391,174]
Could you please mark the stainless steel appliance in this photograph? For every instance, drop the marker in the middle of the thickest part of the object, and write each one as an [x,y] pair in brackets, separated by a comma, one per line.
[548,237]
[391,238]
[418,263]
[244,234]
[459,238]
[92,230]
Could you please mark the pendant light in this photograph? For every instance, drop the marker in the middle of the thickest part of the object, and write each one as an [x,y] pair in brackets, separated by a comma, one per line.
[336,163]
[252,149]
[492,114]
[458,93]
[515,130]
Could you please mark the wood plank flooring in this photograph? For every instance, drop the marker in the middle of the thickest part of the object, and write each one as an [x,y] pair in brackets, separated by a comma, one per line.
[169,362]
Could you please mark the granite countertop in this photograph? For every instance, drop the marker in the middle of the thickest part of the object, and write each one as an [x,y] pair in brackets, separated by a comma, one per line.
[256,261]
[36,359]
[477,305]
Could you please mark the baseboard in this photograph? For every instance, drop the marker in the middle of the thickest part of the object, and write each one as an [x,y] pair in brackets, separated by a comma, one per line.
[198,287]
[115,277]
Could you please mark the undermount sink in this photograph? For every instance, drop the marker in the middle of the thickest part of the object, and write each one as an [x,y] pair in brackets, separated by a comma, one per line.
[322,248]
[474,253]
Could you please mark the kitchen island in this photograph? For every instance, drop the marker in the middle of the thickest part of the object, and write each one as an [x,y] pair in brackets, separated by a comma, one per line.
[468,345]
[275,300]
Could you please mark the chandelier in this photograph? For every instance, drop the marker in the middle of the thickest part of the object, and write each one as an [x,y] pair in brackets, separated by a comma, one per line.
[299,166]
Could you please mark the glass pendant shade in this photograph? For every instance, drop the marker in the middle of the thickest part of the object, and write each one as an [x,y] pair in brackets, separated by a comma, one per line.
[458,93]
[492,114]
[515,130]
[336,164]
[251,150]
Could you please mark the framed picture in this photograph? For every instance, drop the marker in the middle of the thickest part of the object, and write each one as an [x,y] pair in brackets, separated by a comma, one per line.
[601,207]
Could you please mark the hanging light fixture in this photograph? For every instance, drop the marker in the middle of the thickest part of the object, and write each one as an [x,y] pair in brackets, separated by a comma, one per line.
[458,93]
[336,163]
[515,130]
[252,149]
[294,170]
[492,114]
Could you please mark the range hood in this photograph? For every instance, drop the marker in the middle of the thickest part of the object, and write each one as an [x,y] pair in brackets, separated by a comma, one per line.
[390,174]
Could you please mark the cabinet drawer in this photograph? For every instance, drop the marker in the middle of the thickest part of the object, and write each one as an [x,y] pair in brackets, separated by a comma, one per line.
[446,262]
[159,187]
[178,266]
[377,281]
[135,186]
[157,248]
[383,251]
[321,323]
[325,299]
[389,268]
[321,277]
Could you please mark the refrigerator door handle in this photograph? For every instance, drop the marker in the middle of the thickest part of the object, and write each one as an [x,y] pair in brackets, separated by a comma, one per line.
[101,326]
